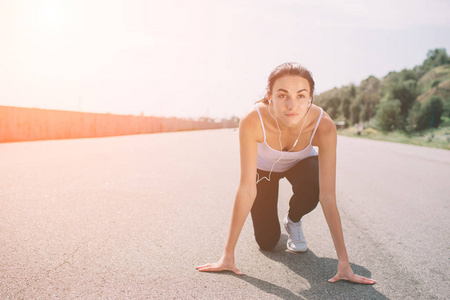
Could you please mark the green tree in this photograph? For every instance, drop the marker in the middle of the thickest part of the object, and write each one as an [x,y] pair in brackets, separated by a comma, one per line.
[330,102]
[333,107]
[352,91]
[355,110]
[345,108]
[446,108]
[369,93]
[406,74]
[369,103]
[435,58]
[387,117]
[430,113]
[406,92]
[413,116]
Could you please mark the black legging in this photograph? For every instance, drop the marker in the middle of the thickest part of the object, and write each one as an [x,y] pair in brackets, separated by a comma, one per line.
[304,178]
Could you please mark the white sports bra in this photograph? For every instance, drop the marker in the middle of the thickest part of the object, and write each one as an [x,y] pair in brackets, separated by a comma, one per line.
[269,158]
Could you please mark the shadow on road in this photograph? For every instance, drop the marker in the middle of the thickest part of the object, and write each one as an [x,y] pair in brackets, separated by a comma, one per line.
[317,271]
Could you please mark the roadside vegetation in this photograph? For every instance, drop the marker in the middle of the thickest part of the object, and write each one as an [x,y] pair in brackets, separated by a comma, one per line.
[411,106]
[436,138]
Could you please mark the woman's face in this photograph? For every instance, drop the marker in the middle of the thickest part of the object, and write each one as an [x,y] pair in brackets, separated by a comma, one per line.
[290,99]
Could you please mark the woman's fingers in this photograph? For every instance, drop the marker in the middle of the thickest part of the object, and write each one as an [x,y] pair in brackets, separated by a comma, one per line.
[334,279]
[217,268]
[237,272]
[202,266]
[355,278]
[208,268]
[364,280]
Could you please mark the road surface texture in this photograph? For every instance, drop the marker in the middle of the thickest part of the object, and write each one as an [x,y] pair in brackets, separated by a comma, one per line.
[131,217]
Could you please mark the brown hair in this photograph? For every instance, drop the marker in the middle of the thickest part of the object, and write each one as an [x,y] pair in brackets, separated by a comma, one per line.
[292,69]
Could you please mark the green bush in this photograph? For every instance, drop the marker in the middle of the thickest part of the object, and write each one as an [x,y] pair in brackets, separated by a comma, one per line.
[387,116]
[435,83]
[446,108]
[430,114]
[413,116]
[406,92]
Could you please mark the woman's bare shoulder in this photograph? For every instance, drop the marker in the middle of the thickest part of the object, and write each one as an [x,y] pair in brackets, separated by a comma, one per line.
[326,124]
[251,118]
[250,123]
[326,130]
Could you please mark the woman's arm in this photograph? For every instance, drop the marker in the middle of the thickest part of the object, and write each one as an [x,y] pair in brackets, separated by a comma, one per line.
[326,138]
[245,195]
[246,192]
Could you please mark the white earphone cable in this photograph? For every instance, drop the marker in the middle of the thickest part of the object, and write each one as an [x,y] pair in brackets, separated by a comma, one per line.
[281,146]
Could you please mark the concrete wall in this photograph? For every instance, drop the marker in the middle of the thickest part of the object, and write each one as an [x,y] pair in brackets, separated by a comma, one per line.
[27,124]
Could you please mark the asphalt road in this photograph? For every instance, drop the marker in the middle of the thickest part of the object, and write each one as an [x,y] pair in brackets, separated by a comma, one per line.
[131,217]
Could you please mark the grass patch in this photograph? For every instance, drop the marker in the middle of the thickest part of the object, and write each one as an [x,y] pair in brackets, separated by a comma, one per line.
[435,137]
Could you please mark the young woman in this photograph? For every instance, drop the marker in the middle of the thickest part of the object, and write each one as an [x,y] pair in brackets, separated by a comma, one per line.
[276,140]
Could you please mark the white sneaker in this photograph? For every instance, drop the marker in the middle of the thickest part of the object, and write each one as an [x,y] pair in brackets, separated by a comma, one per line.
[296,241]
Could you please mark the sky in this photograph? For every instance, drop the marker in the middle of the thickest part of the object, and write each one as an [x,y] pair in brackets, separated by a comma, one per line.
[207,58]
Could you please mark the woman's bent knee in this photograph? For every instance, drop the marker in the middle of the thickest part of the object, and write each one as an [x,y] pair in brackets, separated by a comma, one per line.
[267,243]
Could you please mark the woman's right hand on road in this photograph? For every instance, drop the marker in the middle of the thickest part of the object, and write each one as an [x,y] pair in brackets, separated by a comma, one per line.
[225,263]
